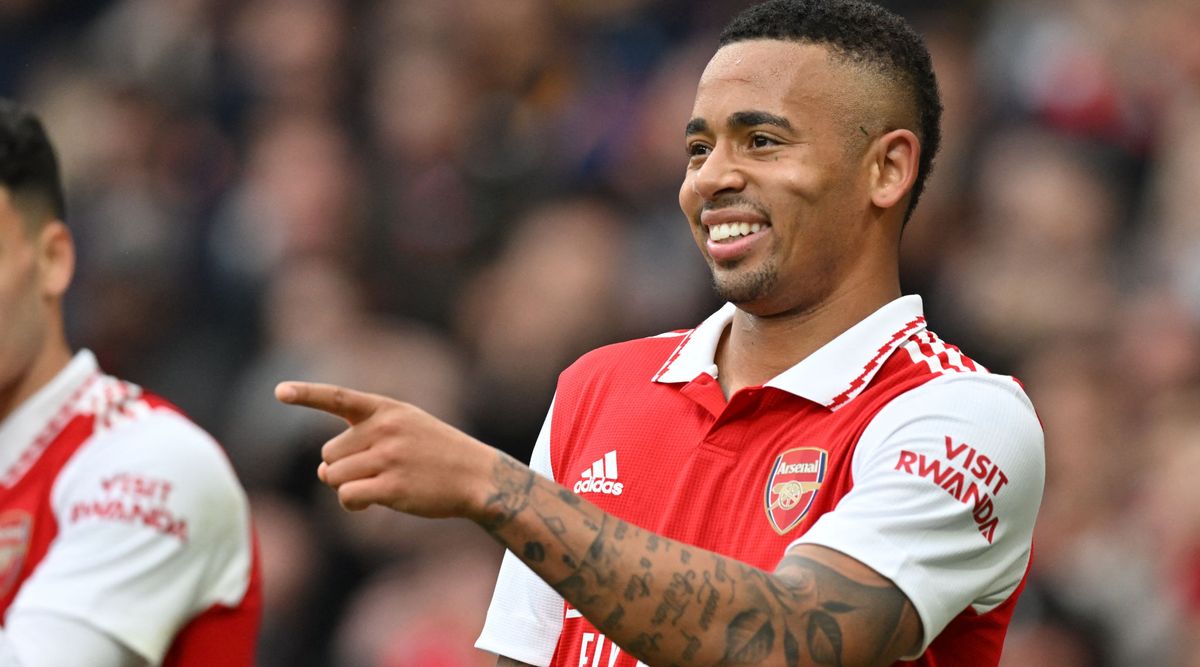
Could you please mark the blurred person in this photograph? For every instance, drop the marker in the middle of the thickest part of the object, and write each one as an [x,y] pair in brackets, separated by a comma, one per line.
[874,489]
[167,47]
[1060,62]
[1086,470]
[311,306]
[1150,373]
[1172,252]
[299,197]
[424,610]
[1169,503]
[1095,551]
[126,535]
[548,297]
[306,305]
[1041,264]
[290,55]
[292,563]
[1046,632]
[318,323]
[428,219]
[500,62]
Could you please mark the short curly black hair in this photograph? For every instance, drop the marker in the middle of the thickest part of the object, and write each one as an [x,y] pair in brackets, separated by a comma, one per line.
[865,34]
[28,165]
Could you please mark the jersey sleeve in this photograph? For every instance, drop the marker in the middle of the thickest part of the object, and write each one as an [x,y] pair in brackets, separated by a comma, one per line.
[40,639]
[525,617]
[153,529]
[947,481]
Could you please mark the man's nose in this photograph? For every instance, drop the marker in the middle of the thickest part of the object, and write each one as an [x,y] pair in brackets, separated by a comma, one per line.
[720,173]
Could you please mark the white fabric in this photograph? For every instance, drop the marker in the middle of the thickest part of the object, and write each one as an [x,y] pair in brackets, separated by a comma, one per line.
[39,639]
[910,529]
[526,615]
[825,374]
[108,567]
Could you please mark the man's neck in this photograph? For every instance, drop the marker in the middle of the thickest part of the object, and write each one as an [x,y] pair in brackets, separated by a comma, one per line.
[51,359]
[755,349]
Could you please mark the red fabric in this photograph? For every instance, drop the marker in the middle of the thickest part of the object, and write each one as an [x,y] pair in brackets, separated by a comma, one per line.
[222,635]
[696,469]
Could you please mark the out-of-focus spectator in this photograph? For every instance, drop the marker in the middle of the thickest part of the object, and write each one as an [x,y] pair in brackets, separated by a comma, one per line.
[425,611]
[549,297]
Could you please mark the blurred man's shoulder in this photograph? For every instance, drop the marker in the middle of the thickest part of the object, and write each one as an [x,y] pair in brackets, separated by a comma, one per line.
[137,433]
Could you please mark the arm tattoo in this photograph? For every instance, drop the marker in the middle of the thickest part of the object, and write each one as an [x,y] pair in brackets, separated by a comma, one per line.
[749,638]
[841,603]
[512,485]
[696,607]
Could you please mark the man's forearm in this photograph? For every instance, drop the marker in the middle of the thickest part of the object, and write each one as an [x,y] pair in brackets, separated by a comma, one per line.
[670,603]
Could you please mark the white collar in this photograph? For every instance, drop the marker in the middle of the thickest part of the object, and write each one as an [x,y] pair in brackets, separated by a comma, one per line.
[32,420]
[833,375]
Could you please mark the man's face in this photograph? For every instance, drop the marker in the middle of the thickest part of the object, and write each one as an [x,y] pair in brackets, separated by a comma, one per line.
[776,184]
[24,321]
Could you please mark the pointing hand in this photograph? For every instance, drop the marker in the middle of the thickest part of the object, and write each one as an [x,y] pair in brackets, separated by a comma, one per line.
[395,454]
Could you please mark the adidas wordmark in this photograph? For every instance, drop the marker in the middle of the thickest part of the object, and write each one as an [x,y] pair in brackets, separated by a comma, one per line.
[601,477]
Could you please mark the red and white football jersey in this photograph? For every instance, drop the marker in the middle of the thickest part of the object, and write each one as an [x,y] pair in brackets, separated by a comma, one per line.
[118,512]
[886,444]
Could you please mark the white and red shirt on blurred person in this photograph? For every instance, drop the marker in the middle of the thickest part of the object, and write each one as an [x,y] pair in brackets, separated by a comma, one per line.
[122,518]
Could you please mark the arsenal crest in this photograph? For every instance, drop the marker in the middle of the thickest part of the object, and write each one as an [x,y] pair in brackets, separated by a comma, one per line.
[792,486]
[15,533]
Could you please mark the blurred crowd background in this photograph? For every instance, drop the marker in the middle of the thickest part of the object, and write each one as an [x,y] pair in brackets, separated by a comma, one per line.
[447,201]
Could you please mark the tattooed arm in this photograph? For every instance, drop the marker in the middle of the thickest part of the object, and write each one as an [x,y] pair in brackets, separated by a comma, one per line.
[665,602]
[670,603]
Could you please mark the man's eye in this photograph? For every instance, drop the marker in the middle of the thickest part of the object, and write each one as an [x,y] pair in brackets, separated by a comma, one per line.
[695,149]
[762,141]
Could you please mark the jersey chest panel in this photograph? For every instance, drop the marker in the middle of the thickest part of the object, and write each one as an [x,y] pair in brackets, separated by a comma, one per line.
[711,475]
[708,480]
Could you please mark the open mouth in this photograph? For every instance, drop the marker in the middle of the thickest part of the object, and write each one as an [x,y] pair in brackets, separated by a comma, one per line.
[729,231]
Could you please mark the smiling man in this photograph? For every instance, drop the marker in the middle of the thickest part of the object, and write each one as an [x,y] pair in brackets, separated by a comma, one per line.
[811,475]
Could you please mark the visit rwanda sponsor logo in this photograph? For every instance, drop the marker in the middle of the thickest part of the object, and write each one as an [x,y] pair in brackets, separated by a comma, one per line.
[601,477]
[792,486]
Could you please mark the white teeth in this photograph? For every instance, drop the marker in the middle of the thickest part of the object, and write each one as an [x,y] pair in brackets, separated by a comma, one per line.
[731,229]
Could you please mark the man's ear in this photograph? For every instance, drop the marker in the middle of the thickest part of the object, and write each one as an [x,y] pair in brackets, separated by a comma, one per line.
[56,258]
[895,165]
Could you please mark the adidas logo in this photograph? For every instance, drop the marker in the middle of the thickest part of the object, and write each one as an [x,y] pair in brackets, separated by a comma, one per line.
[601,477]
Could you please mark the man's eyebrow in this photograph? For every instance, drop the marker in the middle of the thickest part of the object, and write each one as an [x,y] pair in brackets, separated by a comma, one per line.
[695,126]
[740,120]
[744,119]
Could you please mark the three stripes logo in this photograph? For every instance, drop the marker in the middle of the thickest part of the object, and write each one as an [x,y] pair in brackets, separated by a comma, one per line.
[601,477]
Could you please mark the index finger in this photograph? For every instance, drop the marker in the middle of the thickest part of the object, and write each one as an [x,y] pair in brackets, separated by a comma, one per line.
[353,406]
